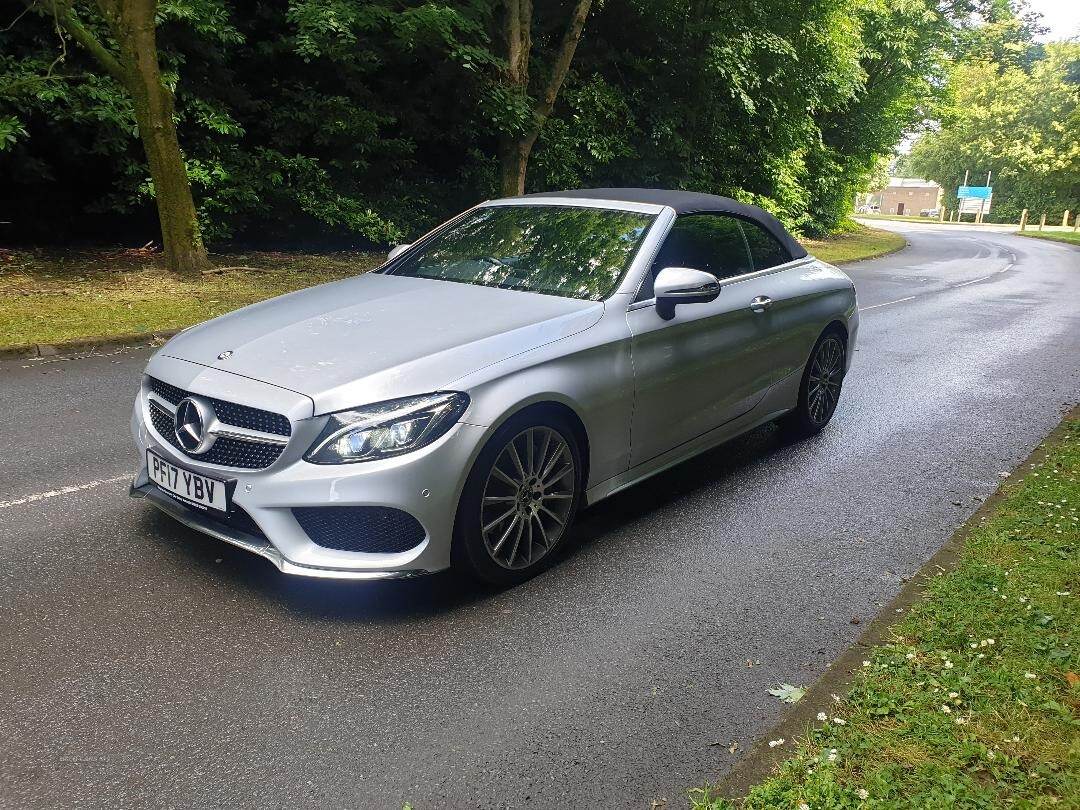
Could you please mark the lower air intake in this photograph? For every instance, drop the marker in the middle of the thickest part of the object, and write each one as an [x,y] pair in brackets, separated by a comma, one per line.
[367,529]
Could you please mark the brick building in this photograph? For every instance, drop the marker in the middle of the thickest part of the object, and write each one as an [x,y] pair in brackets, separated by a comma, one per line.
[908,196]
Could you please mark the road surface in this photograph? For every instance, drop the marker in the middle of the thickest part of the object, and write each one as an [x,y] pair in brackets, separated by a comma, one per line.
[143,664]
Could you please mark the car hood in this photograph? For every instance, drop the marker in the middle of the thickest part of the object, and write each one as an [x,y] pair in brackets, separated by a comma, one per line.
[377,337]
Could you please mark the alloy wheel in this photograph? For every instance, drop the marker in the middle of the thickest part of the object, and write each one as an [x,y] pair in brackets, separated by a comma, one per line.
[528,497]
[826,376]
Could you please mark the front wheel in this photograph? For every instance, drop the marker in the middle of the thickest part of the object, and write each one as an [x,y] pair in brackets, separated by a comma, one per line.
[519,500]
[819,391]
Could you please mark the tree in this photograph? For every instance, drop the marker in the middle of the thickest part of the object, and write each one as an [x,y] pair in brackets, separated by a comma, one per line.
[516,143]
[364,121]
[1020,122]
[133,63]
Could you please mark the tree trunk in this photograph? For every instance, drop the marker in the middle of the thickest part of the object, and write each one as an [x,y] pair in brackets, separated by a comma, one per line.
[514,150]
[513,160]
[134,27]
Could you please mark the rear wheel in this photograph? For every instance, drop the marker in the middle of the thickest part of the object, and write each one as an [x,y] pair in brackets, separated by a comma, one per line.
[822,381]
[519,500]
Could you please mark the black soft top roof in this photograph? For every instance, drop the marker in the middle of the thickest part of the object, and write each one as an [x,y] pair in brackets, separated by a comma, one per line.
[689,202]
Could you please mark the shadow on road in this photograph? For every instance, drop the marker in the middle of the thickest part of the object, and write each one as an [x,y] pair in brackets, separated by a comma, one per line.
[401,600]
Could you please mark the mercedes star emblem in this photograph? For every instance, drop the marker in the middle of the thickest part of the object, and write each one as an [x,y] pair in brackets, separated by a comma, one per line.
[193,418]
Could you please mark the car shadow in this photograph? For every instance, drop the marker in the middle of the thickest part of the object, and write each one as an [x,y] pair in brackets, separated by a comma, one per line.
[398,600]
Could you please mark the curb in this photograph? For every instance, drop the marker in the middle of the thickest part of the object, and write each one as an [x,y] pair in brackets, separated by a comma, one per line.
[760,761]
[33,350]
[888,252]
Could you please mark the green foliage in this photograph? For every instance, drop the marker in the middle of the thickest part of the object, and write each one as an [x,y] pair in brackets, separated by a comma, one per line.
[1020,120]
[370,121]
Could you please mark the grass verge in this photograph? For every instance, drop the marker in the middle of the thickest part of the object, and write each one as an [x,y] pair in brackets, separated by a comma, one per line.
[1069,237]
[855,245]
[60,296]
[975,701]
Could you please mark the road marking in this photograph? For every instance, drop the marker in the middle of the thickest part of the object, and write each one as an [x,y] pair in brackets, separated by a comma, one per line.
[1005,269]
[888,303]
[973,281]
[52,493]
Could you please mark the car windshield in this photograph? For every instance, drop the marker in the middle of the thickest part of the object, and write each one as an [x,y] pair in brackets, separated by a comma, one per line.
[574,252]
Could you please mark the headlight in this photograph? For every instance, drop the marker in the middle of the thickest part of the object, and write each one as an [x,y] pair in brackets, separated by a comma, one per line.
[387,428]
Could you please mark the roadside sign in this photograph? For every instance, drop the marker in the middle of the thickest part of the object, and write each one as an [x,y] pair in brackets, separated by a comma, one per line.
[974,199]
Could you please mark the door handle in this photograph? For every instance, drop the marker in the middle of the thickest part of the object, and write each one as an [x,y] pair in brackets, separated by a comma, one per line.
[761,303]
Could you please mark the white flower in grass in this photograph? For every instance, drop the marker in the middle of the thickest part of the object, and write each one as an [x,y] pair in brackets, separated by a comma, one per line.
[954,694]
[1030,676]
[774,743]
[840,721]
[946,709]
[863,794]
[961,721]
[866,663]
[804,806]
[910,656]
[822,716]
[948,664]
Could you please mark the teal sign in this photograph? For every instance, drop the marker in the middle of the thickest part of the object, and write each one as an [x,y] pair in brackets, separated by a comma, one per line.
[974,192]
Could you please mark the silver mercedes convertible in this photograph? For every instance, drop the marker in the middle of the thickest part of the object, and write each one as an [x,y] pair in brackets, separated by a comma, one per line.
[457,406]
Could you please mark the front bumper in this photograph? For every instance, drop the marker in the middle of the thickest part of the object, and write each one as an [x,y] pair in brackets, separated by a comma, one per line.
[426,484]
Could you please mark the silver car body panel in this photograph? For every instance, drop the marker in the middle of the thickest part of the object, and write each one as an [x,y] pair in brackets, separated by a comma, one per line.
[648,392]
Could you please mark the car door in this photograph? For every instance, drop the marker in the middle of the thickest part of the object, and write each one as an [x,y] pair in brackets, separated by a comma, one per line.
[709,363]
[791,321]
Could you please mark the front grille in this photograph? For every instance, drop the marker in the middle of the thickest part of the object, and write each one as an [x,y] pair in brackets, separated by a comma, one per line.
[229,412]
[368,529]
[226,451]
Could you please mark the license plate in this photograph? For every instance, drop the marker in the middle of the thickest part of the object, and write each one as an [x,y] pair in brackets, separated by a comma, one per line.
[187,485]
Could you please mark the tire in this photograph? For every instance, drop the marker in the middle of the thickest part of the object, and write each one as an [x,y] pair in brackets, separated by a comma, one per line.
[819,392]
[506,511]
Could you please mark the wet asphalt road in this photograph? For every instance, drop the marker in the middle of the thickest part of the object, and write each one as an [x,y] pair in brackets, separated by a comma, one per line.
[142,664]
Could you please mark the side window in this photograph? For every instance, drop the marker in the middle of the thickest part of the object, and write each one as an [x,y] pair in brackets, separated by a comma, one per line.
[764,249]
[710,242]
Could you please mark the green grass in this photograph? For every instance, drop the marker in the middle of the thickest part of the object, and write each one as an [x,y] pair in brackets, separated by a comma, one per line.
[58,296]
[976,700]
[854,245]
[1070,237]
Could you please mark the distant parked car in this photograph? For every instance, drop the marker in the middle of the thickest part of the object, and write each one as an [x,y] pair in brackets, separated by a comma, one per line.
[458,405]
[930,212]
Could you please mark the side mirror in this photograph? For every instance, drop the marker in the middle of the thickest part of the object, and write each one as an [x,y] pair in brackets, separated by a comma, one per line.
[396,251]
[683,285]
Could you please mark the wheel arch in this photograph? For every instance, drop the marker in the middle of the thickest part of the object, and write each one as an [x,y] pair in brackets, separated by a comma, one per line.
[550,405]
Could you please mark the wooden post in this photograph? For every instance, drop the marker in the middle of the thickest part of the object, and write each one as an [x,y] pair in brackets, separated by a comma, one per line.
[1042,221]
[1023,219]
[941,214]
[1065,219]
[1076,222]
